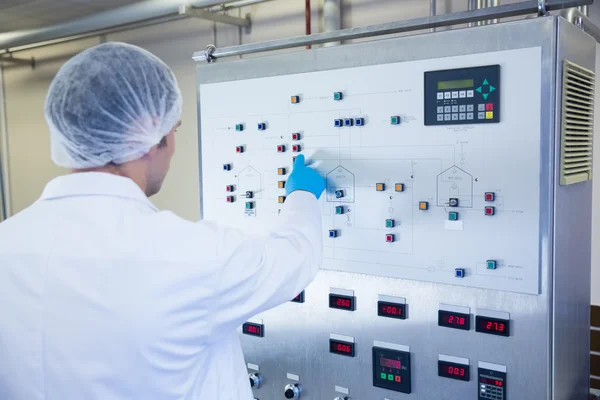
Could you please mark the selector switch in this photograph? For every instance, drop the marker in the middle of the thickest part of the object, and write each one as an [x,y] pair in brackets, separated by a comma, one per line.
[339,194]
[453,202]
[255,380]
[292,391]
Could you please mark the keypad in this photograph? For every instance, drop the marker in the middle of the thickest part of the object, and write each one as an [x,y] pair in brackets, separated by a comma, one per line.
[463,112]
[491,392]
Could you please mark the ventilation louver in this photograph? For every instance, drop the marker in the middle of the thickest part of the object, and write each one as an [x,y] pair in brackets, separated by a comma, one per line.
[577,130]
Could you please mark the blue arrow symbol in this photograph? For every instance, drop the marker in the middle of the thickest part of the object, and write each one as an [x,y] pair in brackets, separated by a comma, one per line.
[485,82]
[492,88]
[485,96]
[478,89]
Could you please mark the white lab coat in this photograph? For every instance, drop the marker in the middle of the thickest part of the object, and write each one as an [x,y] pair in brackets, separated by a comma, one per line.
[103,297]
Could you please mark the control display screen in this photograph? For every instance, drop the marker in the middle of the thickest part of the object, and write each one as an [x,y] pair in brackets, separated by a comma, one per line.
[391,310]
[453,370]
[391,369]
[341,348]
[342,302]
[454,320]
[251,329]
[457,84]
[493,326]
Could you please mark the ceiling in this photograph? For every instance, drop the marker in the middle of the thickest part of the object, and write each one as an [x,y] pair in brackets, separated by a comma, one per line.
[30,14]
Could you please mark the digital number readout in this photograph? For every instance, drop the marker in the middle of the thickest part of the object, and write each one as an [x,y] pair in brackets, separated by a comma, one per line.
[341,348]
[342,302]
[454,320]
[453,371]
[251,329]
[391,310]
[493,326]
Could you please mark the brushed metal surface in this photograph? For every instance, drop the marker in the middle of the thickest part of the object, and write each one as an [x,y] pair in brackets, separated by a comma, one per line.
[297,339]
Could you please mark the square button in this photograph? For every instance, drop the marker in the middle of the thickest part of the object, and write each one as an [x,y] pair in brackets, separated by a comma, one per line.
[226,167]
[281,199]
[481,115]
[389,237]
[396,119]
[470,93]
[489,115]
[454,109]
[455,95]
[447,95]
[262,126]
[481,107]
[338,123]
[469,107]
[296,148]
[295,99]
[462,94]
[448,109]
[239,149]
[398,378]
[230,199]
[281,148]
[390,377]
[249,205]
[389,223]
[469,115]
[462,116]
[333,234]
[295,136]
[453,216]
[338,96]
[447,117]
[339,210]
[359,121]
[489,211]
[239,127]
[380,187]
[399,187]
[423,205]
[348,122]
[440,96]
[280,171]
[440,110]
[490,196]
[462,108]
[229,188]
[454,117]
[281,184]
[489,107]
[459,273]
[383,374]
[440,117]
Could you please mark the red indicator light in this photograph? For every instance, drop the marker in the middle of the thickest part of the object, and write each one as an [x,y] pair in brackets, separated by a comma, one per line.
[490,211]
[489,196]
[398,379]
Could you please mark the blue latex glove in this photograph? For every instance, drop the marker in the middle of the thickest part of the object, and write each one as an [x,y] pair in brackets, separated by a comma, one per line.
[304,178]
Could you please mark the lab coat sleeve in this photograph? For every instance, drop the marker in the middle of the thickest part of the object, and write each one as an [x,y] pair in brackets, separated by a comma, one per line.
[259,273]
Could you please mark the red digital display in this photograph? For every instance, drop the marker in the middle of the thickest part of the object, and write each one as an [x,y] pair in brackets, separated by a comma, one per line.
[453,371]
[391,310]
[489,381]
[253,329]
[342,348]
[389,363]
[455,320]
[494,326]
[342,302]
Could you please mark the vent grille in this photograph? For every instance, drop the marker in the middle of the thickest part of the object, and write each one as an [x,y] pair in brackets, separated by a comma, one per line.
[577,131]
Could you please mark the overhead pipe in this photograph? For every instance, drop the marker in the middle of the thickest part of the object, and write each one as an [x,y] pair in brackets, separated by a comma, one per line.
[307,20]
[332,18]
[432,11]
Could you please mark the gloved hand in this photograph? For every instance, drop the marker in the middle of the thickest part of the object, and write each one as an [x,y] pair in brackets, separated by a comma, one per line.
[304,178]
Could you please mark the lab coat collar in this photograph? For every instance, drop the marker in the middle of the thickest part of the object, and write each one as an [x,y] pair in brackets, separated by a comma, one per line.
[94,184]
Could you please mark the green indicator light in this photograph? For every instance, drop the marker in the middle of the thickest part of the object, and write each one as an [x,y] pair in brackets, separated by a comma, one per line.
[239,127]
[339,210]
[453,216]
[389,223]
[491,264]
[249,205]
[395,120]
[338,96]
[390,377]
[383,375]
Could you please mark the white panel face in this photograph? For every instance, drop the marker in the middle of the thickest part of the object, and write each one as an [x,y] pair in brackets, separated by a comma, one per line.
[435,163]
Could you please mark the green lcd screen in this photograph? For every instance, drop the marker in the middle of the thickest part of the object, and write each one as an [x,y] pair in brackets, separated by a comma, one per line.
[460,84]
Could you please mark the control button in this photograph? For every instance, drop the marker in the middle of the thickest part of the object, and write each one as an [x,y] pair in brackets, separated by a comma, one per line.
[226,167]
[229,188]
[453,216]
[447,117]
[396,119]
[390,223]
[380,187]
[489,115]
[454,117]
[397,378]
[295,99]
[239,149]
[337,96]
[490,264]
[230,199]
[462,116]
[399,187]
[339,194]
[280,171]
[440,110]
[339,209]
[296,148]
[281,184]
[490,196]
[359,121]
[447,95]
[469,115]
[459,273]
[454,109]
[453,202]
[292,391]
[423,205]
[470,93]
[481,107]
[338,123]
[348,122]
[490,211]
[455,95]
[249,194]
[389,238]
[489,107]
[281,199]
[281,148]
[448,109]
[249,205]
[293,159]
[239,127]
[255,380]
[469,107]
[481,115]
[462,94]
[440,96]
[440,117]
[333,233]
[462,108]
[295,136]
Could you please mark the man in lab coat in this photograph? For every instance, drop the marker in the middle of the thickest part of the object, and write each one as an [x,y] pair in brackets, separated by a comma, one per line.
[102,296]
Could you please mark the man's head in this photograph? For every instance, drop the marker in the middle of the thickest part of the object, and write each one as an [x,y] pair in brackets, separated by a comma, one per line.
[115,107]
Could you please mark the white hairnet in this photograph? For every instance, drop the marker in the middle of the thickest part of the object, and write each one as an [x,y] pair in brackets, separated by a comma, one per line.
[110,104]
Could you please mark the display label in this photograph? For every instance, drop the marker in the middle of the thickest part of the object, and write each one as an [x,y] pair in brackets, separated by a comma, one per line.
[453,370]
[450,319]
[391,310]
[341,348]
[493,326]
[251,329]
[299,298]
[342,302]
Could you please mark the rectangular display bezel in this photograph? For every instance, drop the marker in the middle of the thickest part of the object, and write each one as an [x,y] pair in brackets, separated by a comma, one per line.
[299,298]
[334,297]
[443,374]
[381,304]
[261,327]
[333,343]
[467,318]
[482,318]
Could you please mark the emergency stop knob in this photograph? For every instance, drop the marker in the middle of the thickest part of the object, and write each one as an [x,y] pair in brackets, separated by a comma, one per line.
[292,391]
[341,398]
[255,380]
